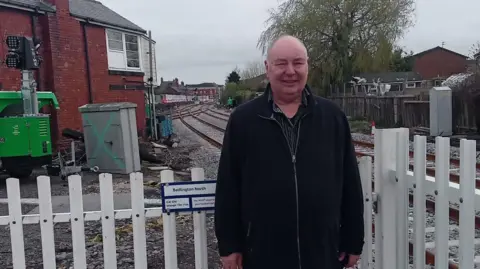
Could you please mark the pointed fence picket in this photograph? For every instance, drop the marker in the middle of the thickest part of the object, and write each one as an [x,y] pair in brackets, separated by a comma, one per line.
[395,188]
[397,197]
[107,215]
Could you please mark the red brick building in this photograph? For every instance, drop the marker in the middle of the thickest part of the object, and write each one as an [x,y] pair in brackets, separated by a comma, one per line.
[208,89]
[439,63]
[90,55]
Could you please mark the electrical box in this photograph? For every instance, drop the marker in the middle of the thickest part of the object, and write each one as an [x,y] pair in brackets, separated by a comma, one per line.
[441,111]
[111,139]
[15,132]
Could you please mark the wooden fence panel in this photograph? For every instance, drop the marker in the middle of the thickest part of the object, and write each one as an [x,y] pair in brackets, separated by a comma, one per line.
[406,111]
[384,110]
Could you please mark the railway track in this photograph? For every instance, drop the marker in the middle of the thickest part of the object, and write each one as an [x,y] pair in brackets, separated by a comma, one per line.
[367,149]
[214,114]
[195,110]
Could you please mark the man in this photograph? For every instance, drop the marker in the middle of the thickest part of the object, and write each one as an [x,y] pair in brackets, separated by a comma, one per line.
[288,189]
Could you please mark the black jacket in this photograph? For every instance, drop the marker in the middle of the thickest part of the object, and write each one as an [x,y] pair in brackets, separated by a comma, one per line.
[285,211]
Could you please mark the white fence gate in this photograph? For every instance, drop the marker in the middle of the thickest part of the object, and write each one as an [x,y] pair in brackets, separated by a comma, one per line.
[387,207]
[394,188]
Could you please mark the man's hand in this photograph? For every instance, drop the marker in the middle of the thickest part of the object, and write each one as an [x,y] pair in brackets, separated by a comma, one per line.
[232,261]
[352,259]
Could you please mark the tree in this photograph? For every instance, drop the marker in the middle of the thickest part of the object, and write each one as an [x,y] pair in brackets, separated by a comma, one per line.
[252,70]
[342,37]
[401,61]
[474,49]
[233,77]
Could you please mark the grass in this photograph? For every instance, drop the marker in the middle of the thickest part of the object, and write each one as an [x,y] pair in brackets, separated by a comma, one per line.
[360,126]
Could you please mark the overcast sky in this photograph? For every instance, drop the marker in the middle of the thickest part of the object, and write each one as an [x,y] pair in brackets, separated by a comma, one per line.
[203,40]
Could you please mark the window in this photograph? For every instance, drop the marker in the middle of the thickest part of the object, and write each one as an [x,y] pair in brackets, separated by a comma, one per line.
[411,85]
[123,51]
[438,83]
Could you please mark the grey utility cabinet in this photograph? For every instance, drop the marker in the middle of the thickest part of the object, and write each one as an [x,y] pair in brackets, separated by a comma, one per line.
[441,111]
[111,139]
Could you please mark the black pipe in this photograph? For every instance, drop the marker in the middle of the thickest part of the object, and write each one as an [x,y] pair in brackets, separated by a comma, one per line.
[33,19]
[87,62]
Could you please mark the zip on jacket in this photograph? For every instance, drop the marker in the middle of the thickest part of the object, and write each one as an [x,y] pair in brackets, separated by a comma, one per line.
[293,153]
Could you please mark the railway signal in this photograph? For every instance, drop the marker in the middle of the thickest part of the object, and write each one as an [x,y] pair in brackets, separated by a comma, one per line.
[22,53]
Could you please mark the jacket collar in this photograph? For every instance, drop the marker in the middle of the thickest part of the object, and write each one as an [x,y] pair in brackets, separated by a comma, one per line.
[308,100]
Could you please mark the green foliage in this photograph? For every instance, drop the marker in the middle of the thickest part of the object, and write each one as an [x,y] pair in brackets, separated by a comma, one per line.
[239,92]
[233,77]
[401,61]
[342,37]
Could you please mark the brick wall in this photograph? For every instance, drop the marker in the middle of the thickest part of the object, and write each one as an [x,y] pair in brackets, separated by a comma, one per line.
[64,69]
[101,80]
[12,22]
[439,63]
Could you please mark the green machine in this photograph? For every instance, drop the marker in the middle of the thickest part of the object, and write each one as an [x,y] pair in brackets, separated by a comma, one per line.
[25,140]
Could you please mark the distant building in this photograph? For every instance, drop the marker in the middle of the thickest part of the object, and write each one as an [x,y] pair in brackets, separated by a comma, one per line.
[439,63]
[209,89]
[169,87]
[400,82]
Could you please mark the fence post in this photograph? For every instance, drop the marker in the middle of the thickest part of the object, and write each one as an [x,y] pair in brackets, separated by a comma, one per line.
[16,223]
[200,228]
[442,181]
[46,221]
[365,168]
[385,188]
[401,168]
[138,220]
[420,152]
[467,202]
[169,229]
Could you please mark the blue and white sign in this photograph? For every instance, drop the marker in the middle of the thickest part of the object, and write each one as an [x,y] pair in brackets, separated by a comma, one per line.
[188,196]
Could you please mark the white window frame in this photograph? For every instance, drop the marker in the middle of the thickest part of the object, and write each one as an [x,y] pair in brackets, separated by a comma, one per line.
[124,51]
[411,85]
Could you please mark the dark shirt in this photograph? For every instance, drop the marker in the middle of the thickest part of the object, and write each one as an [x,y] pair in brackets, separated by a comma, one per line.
[289,125]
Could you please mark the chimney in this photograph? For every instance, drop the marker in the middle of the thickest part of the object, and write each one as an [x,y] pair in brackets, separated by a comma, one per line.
[59,4]
[161,80]
[182,83]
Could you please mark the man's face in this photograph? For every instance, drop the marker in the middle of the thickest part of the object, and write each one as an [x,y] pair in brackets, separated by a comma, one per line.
[287,69]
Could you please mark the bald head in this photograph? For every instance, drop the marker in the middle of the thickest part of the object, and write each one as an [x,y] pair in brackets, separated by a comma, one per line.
[284,44]
[287,68]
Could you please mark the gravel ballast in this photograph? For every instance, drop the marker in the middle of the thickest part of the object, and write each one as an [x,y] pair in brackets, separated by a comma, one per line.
[202,154]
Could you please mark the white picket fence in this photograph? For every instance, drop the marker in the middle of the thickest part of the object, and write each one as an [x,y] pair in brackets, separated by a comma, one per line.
[46,218]
[392,184]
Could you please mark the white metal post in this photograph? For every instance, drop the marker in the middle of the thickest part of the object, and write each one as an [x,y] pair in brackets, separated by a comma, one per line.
[200,228]
[467,202]
[385,188]
[365,168]
[169,229]
[420,166]
[402,161]
[442,180]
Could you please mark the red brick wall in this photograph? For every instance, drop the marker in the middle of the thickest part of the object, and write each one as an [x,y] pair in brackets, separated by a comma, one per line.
[101,79]
[439,63]
[12,22]
[63,70]
[68,66]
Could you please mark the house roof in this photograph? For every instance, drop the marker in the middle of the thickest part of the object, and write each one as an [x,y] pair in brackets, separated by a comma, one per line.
[32,4]
[391,76]
[438,48]
[202,85]
[258,81]
[97,12]
[169,87]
